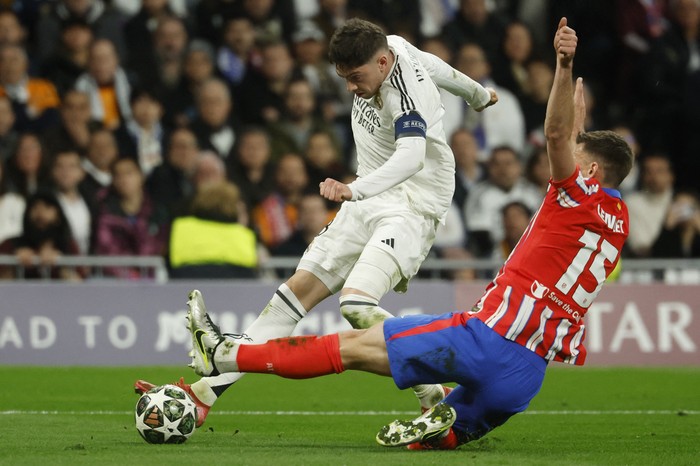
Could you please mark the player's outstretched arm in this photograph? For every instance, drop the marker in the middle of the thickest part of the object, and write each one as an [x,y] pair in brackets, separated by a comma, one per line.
[559,122]
[455,82]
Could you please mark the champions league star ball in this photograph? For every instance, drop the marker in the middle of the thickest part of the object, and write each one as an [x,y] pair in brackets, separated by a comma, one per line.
[166,414]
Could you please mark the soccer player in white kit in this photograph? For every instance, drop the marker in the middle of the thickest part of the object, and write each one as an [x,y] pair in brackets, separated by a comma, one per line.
[387,222]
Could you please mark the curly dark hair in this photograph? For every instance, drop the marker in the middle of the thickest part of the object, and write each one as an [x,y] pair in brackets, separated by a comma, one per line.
[355,43]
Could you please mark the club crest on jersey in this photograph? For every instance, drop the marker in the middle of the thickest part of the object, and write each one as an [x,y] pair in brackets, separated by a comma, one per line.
[611,221]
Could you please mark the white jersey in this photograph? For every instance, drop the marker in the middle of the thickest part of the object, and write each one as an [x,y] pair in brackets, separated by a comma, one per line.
[408,89]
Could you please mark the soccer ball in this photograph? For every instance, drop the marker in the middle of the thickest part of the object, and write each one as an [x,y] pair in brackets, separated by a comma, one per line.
[166,414]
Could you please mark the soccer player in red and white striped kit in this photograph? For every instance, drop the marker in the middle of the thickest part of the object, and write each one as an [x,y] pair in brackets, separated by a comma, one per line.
[532,313]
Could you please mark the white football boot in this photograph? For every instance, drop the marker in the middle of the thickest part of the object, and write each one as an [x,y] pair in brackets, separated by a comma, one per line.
[206,336]
[431,424]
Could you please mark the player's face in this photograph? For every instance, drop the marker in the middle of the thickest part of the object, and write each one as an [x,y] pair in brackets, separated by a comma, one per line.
[364,81]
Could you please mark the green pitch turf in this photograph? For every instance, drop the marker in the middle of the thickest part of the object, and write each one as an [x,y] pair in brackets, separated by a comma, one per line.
[583,416]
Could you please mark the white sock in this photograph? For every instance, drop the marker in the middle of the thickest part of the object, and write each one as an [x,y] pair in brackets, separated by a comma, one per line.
[429,395]
[277,320]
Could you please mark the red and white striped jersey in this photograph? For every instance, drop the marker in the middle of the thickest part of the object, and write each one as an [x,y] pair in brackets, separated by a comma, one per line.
[540,295]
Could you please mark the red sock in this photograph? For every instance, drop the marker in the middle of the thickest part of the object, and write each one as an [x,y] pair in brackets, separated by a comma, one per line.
[293,358]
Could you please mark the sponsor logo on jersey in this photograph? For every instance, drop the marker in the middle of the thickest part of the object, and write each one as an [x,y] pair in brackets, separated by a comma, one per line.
[364,115]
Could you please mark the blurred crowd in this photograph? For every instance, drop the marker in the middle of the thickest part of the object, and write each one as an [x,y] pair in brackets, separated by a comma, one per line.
[199,129]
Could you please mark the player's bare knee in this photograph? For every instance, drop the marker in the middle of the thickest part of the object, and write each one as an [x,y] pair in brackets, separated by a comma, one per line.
[361,311]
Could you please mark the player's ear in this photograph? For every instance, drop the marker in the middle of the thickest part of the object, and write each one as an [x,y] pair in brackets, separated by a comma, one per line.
[593,170]
[382,61]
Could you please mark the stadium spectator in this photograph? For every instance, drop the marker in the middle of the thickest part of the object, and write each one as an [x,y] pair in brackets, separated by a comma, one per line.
[454,108]
[170,184]
[216,127]
[101,153]
[11,209]
[275,218]
[631,183]
[235,54]
[323,158]
[515,218]
[143,136]
[164,66]
[209,242]
[252,169]
[309,47]
[272,20]
[260,95]
[66,174]
[468,170]
[504,184]
[211,15]
[8,134]
[209,169]
[132,7]
[504,124]
[75,124]
[473,23]
[45,237]
[34,99]
[638,23]
[537,169]
[12,32]
[450,243]
[510,70]
[107,84]
[534,101]
[680,234]
[673,57]
[128,222]
[313,216]
[648,207]
[106,23]
[180,101]
[70,58]
[139,33]
[27,170]
[298,121]
[331,15]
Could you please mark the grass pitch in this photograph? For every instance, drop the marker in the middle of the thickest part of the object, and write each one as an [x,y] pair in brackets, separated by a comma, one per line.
[583,416]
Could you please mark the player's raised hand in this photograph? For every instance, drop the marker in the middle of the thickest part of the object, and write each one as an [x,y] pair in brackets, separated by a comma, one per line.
[494,99]
[565,41]
[579,110]
[334,190]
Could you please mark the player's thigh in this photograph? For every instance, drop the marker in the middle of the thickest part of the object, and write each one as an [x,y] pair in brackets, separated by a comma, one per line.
[398,245]
[335,250]
[426,348]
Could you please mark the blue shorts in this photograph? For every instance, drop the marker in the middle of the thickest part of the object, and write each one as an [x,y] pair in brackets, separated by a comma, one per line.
[497,378]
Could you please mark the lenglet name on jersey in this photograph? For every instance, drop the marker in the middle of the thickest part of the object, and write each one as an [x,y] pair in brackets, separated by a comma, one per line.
[611,221]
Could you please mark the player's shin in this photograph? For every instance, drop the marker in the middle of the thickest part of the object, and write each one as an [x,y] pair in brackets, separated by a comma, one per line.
[294,357]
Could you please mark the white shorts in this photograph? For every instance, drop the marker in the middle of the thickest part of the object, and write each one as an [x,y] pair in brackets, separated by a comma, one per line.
[383,221]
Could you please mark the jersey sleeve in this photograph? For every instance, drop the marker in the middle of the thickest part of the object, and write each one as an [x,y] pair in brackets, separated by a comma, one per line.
[575,190]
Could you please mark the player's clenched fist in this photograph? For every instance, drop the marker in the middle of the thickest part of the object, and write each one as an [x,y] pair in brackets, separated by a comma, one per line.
[334,190]
[565,41]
